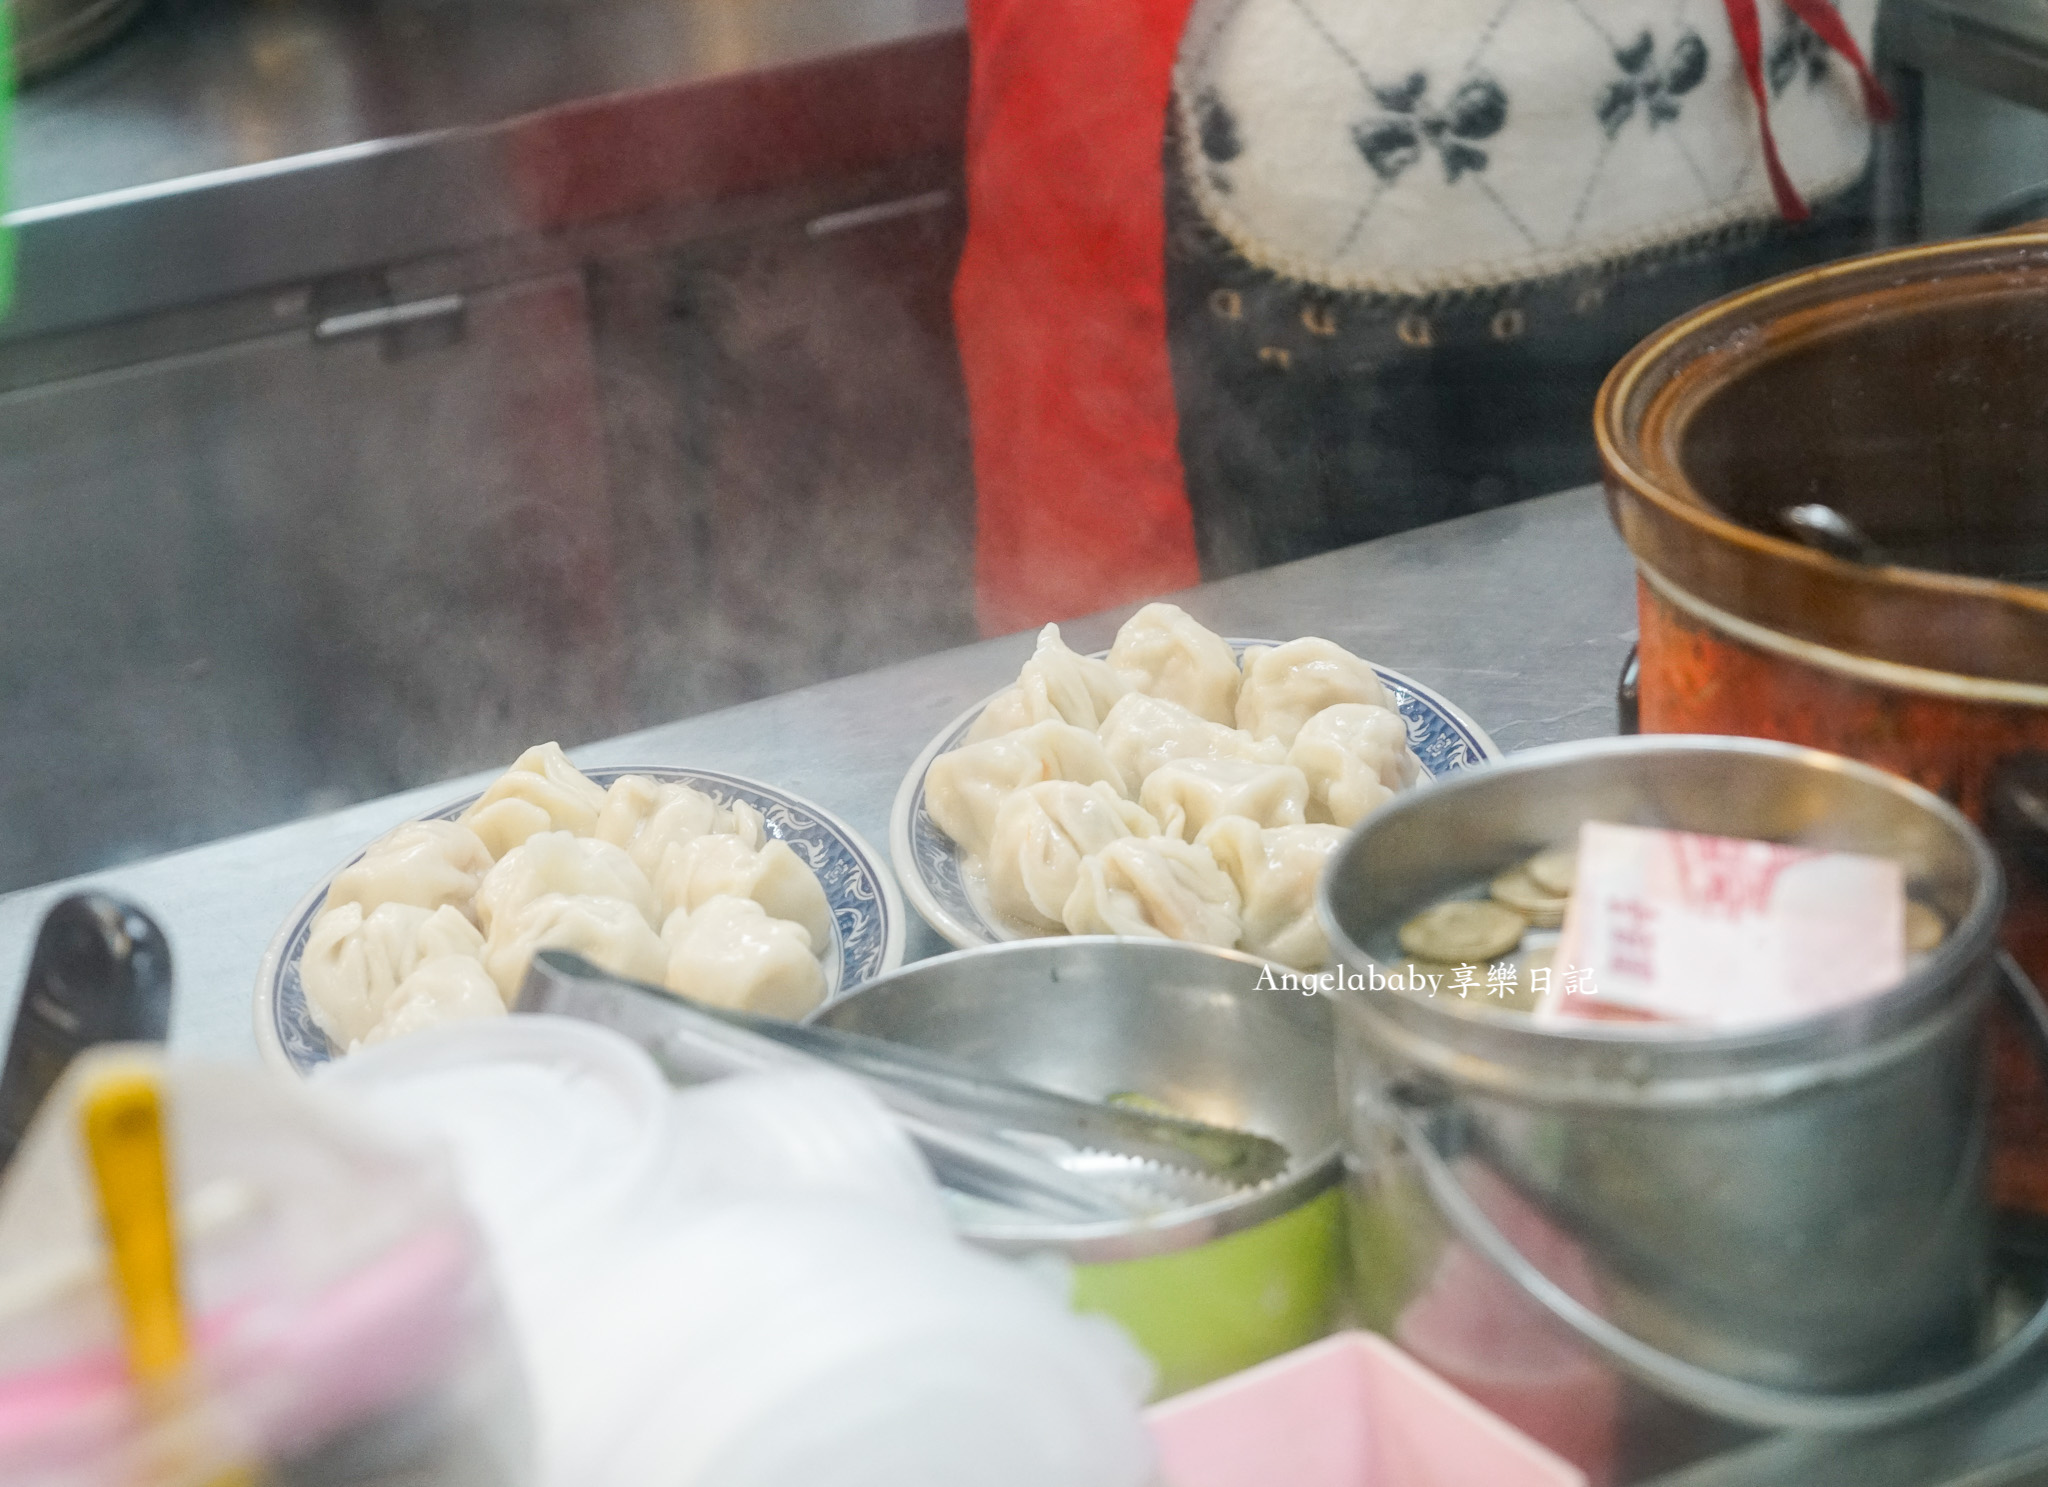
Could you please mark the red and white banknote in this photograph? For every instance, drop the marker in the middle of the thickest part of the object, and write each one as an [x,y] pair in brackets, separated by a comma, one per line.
[1721,932]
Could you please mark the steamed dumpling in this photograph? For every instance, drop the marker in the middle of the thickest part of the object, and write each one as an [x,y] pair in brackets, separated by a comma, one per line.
[1006,712]
[1162,652]
[1185,795]
[772,875]
[1276,871]
[1058,683]
[542,791]
[1141,733]
[608,932]
[731,953]
[423,863]
[1354,756]
[1041,834]
[354,961]
[965,786]
[1286,685]
[555,862]
[746,823]
[1155,886]
[646,818]
[440,990]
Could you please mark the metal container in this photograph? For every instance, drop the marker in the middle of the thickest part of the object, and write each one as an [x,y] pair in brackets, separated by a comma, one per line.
[1748,1222]
[1902,390]
[1206,1290]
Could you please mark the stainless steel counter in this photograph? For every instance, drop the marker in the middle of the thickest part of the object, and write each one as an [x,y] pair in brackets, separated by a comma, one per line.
[1521,616]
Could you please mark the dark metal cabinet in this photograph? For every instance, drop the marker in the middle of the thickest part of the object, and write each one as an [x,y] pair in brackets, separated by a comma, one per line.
[246,582]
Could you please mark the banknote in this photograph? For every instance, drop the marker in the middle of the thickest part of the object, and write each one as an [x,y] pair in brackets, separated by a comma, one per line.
[1722,932]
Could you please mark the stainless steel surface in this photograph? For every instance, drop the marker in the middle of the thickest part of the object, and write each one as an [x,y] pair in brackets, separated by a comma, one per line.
[277,576]
[1704,1389]
[2000,46]
[1519,615]
[692,1046]
[225,147]
[52,34]
[1740,1197]
[1092,1017]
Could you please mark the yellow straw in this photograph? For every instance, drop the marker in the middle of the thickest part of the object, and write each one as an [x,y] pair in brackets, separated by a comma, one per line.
[124,1139]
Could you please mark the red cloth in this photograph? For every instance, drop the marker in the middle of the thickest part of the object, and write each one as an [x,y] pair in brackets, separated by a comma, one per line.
[1060,305]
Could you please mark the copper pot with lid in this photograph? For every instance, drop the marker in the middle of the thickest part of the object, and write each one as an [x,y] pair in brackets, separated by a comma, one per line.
[1905,394]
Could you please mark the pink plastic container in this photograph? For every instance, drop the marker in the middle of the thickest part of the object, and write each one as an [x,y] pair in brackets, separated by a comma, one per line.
[1350,1411]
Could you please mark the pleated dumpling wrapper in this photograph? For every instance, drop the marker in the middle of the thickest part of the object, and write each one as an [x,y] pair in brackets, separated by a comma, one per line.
[1163,652]
[1286,685]
[730,952]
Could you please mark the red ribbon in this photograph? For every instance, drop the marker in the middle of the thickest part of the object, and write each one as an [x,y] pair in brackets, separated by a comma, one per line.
[1826,23]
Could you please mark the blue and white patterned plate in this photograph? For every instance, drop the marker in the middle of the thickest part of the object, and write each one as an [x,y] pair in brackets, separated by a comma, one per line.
[955,903]
[867,911]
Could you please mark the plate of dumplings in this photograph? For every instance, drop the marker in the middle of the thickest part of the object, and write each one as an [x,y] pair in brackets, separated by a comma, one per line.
[717,887]
[1179,785]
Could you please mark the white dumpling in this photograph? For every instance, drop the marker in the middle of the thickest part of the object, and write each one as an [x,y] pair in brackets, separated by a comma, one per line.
[965,786]
[1276,871]
[1141,733]
[541,783]
[771,875]
[423,863]
[1162,652]
[608,932]
[440,990]
[1059,683]
[1354,756]
[1155,886]
[746,823]
[1185,795]
[1286,685]
[731,953]
[556,862]
[354,962]
[1041,834]
[505,823]
[1006,712]
[646,818]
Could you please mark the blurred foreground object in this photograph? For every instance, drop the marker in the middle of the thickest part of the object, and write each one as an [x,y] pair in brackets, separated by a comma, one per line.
[1349,1410]
[337,1321]
[101,973]
[750,1283]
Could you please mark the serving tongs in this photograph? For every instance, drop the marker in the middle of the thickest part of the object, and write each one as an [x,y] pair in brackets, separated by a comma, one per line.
[960,1119]
[1236,1158]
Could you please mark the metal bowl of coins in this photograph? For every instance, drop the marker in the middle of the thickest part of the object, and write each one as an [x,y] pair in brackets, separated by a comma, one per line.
[1785,1224]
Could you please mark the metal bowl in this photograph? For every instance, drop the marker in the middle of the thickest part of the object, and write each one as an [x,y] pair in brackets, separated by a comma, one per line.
[1208,1289]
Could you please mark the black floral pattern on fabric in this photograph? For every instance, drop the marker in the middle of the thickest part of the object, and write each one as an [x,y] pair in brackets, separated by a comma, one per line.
[1798,49]
[1217,128]
[1650,84]
[1399,138]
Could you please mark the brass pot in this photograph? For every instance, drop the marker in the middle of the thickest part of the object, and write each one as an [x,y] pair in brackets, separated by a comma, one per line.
[1908,390]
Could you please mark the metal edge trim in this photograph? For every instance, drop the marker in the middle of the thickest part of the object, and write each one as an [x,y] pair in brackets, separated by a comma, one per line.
[1896,675]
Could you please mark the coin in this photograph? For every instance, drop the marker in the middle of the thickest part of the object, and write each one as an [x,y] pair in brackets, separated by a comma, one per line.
[1515,889]
[1463,930]
[1924,928]
[1554,871]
